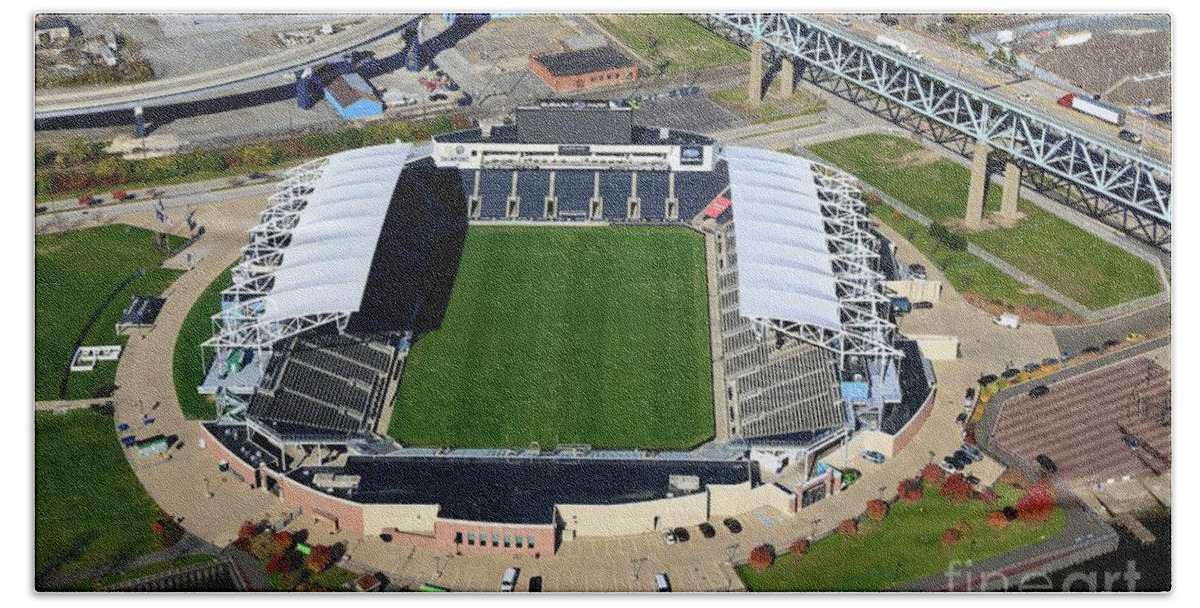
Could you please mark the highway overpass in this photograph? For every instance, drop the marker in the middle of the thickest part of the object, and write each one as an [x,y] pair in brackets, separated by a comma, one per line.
[76,102]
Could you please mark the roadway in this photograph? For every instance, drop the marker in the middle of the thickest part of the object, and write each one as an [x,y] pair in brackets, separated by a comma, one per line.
[1037,97]
[60,103]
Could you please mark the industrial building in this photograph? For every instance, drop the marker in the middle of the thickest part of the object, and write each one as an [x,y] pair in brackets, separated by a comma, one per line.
[348,92]
[584,68]
[354,262]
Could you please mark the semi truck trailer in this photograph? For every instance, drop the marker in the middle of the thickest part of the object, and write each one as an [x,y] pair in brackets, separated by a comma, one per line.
[899,47]
[1094,108]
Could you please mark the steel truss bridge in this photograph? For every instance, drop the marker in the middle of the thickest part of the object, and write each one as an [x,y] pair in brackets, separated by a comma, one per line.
[1123,190]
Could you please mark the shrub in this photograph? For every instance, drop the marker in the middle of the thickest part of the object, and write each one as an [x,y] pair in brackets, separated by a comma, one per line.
[956,488]
[279,564]
[910,490]
[947,237]
[932,473]
[950,537]
[319,558]
[262,545]
[247,530]
[283,541]
[877,509]
[848,527]
[762,556]
[989,496]
[997,520]
[798,547]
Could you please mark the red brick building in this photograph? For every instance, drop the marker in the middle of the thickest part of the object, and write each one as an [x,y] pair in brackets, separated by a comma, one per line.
[584,68]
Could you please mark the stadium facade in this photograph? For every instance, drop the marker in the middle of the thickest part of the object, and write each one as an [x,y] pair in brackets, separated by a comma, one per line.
[355,260]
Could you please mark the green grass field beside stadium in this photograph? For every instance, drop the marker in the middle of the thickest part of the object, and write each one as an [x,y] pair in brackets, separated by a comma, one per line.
[672,41]
[905,546]
[1073,261]
[73,274]
[89,508]
[186,363]
[566,335]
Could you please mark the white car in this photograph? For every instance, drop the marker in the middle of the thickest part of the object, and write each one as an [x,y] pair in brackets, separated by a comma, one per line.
[662,583]
[669,537]
[509,582]
[1008,320]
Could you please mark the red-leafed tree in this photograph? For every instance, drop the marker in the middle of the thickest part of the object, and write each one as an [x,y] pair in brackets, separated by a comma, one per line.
[319,558]
[798,547]
[997,520]
[247,530]
[989,496]
[762,556]
[280,563]
[932,473]
[950,537]
[1036,505]
[156,527]
[283,541]
[877,509]
[956,488]
[848,527]
[910,490]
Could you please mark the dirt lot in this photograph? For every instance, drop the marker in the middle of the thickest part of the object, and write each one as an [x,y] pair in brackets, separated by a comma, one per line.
[503,46]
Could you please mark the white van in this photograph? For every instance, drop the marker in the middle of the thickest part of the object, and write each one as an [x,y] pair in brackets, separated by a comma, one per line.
[1008,320]
[662,582]
[509,582]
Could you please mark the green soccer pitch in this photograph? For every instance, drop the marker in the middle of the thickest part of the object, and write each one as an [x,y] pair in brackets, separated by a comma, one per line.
[566,335]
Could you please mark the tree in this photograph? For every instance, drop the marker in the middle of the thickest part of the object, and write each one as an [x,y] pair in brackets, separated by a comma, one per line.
[247,530]
[319,558]
[877,509]
[989,496]
[932,473]
[910,490]
[950,537]
[283,541]
[262,545]
[1036,505]
[762,556]
[279,563]
[997,520]
[956,488]
[848,527]
[798,547]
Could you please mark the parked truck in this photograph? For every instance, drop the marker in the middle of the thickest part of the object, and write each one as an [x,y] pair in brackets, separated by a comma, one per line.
[900,47]
[1094,108]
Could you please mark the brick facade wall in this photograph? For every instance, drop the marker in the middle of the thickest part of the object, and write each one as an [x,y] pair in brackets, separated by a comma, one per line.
[584,81]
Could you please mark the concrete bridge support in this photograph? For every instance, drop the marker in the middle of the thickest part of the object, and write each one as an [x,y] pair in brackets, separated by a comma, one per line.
[977,191]
[785,79]
[139,122]
[1012,190]
[754,92]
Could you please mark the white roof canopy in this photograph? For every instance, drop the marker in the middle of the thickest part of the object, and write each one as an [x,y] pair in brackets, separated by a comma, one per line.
[785,270]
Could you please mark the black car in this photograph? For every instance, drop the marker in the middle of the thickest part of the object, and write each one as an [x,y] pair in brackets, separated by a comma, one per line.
[733,525]
[438,97]
[1010,372]
[960,459]
[535,584]
[681,535]
[973,480]
[961,418]
[1091,349]
[988,379]
[1038,391]
[917,271]
[1133,443]
[385,537]
[1046,464]
[1111,342]
[954,464]
[708,530]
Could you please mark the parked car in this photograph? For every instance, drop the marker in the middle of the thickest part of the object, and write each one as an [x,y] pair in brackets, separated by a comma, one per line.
[1133,443]
[947,467]
[89,200]
[1091,350]
[1111,342]
[961,418]
[918,272]
[1069,354]
[438,97]
[969,397]
[922,305]
[385,537]
[1130,136]
[962,458]
[509,582]
[258,175]
[988,379]
[873,456]
[40,208]
[1010,373]
[973,480]
[682,535]
[733,525]
[708,530]
[1133,336]
[1032,367]
[1008,320]
[535,584]
[1039,391]
[662,583]
[668,537]
[1046,464]
[1049,361]
[972,451]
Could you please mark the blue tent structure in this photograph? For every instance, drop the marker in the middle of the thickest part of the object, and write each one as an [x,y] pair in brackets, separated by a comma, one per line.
[348,92]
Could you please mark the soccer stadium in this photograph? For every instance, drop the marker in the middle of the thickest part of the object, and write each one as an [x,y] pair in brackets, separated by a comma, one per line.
[570,325]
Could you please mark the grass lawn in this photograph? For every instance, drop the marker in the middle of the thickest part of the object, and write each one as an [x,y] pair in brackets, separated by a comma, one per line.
[564,336]
[903,547]
[73,274]
[89,508]
[197,327]
[1082,266]
[735,99]
[672,40]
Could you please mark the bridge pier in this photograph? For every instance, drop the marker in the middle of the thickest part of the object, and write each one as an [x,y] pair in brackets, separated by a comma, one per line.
[1012,190]
[785,78]
[977,191]
[755,87]
[304,89]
